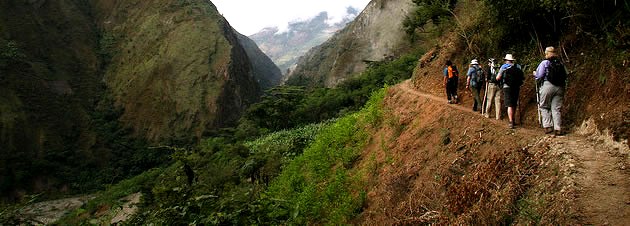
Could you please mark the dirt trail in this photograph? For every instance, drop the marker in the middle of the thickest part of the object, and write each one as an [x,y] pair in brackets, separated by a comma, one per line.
[48,212]
[600,169]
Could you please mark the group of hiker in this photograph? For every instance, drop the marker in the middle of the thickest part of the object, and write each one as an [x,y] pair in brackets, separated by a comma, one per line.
[506,80]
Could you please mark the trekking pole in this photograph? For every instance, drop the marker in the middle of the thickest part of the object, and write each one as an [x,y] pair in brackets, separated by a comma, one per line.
[538,103]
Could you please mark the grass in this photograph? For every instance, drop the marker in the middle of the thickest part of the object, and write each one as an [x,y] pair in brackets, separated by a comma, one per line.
[322,186]
[288,143]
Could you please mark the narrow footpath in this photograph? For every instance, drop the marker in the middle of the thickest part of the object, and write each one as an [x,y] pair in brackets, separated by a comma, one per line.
[598,167]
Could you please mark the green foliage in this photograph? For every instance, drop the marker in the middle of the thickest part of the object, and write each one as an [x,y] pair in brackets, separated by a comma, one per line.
[9,52]
[321,186]
[107,47]
[427,11]
[287,143]
[290,106]
[547,20]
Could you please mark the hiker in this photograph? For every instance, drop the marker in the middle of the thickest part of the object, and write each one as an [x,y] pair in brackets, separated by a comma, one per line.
[553,76]
[451,77]
[512,77]
[493,88]
[474,81]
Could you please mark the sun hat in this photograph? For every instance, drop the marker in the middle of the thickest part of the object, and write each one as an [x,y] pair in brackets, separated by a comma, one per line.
[509,57]
[473,62]
[550,49]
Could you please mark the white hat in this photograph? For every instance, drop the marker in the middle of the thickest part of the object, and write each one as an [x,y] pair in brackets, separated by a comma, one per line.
[509,57]
[474,62]
[550,49]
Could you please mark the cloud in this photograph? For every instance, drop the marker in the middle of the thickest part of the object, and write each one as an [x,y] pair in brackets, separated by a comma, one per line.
[249,16]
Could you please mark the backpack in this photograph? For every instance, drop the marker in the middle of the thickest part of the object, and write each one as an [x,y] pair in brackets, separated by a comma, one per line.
[492,77]
[479,79]
[476,78]
[452,72]
[556,73]
[513,76]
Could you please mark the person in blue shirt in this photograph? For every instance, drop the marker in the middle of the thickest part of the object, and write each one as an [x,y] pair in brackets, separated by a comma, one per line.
[451,77]
[512,77]
[551,95]
[474,81]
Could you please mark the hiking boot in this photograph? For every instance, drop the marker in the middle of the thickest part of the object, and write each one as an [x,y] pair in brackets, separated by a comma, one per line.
[511,125]
[486,115]
[558,133]
[450,102]
[548,130]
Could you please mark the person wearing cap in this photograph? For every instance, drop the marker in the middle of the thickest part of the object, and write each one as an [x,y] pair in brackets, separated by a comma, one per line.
[493,91]
[551,95]
[451,78]
[511,76]
[474,82]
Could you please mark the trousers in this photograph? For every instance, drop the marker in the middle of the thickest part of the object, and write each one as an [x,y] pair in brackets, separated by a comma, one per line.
[494,94]
[551,98]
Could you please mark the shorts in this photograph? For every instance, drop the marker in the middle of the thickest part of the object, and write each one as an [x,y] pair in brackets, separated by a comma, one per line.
[510,95]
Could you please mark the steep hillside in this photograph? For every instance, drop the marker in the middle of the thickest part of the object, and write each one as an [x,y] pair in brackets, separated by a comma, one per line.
[86,83]
[267,74]
[285,47]
[434,163]
[607,104]
[374,35]
[177,68]
[49,74]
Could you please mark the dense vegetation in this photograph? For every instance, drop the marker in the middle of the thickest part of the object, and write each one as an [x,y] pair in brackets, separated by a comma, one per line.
[290,159]
[292,106]
[271,167]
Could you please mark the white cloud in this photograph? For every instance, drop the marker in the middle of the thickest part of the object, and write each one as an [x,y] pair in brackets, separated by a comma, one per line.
[250,16]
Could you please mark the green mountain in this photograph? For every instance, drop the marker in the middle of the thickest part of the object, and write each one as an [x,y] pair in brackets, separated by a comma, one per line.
[93,84]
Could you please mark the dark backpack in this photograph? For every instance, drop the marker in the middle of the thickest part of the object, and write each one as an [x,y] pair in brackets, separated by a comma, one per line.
[556,73]
[479,77]
[492,77]
[513,76]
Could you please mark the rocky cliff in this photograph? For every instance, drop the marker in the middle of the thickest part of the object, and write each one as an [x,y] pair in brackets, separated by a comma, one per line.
[85,82]
[374,35]
[177,67]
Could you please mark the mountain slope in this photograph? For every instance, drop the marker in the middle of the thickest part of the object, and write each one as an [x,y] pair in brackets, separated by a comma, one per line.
[267,74]
[85,84]
[49,74]
[373,36]
[285,47]
[177,67]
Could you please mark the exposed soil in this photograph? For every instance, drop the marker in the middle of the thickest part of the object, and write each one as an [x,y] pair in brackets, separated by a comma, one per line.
[445,164]
[50,211]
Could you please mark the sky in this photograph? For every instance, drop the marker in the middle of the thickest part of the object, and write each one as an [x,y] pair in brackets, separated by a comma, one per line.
[251,16]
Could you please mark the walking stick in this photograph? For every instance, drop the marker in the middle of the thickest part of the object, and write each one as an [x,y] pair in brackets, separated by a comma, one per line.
[538,102]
